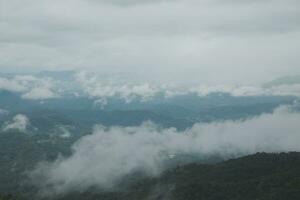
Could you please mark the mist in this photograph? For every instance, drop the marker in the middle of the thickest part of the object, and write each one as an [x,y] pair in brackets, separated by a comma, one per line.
[104,157]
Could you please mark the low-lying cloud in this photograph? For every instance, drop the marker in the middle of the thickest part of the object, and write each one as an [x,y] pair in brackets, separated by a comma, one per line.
[110,153]
[11,85]
[237,90]
[93,87]
[39,93]
[30,87]
[64,131]
[84,84]
[19,122]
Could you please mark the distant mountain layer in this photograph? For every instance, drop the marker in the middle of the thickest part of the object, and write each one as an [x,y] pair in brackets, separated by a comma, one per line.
[288,80]
[179,111]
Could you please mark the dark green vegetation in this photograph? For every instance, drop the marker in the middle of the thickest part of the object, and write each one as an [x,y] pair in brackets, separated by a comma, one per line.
[7,197]
[20,152]
[261,176]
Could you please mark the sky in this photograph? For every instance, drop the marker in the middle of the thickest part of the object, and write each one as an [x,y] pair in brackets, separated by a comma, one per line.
[181,41]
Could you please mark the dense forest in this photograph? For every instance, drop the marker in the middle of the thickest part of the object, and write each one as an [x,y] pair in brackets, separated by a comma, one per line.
[260,176]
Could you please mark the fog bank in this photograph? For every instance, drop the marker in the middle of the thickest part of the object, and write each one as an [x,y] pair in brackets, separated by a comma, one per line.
[110,153]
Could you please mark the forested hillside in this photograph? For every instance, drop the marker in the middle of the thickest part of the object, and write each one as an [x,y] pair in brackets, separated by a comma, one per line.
[261,176]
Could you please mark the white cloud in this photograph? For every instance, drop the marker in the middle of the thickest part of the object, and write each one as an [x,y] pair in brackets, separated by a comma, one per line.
[102,88]
[237,90]
[94,87]
[64,131]
[31,87]
[107,155]
[98,87]
[39,93]
[11,85]
[19,122]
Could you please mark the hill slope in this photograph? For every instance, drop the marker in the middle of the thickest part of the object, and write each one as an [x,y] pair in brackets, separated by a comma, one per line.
[261,176]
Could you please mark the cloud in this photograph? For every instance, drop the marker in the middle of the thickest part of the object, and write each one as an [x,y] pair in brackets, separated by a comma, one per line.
[39,93]
[3,112]
[238,90]
[110,153]
[101,88]
[97,87]
[100,103]
[64,131]
[183,41]
[38,88]
[93,87]
[19,122]
[11,85]
[204,90]
[31,87]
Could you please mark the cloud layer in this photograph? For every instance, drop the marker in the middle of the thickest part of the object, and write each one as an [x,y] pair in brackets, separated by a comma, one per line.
[185,41]
[95,87]
[100,89]
[104,157]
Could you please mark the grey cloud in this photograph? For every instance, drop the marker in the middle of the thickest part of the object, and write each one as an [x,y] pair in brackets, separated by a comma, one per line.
[171,40]
[103,158]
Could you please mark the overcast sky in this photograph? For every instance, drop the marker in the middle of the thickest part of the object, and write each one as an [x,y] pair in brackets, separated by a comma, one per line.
[196,41]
